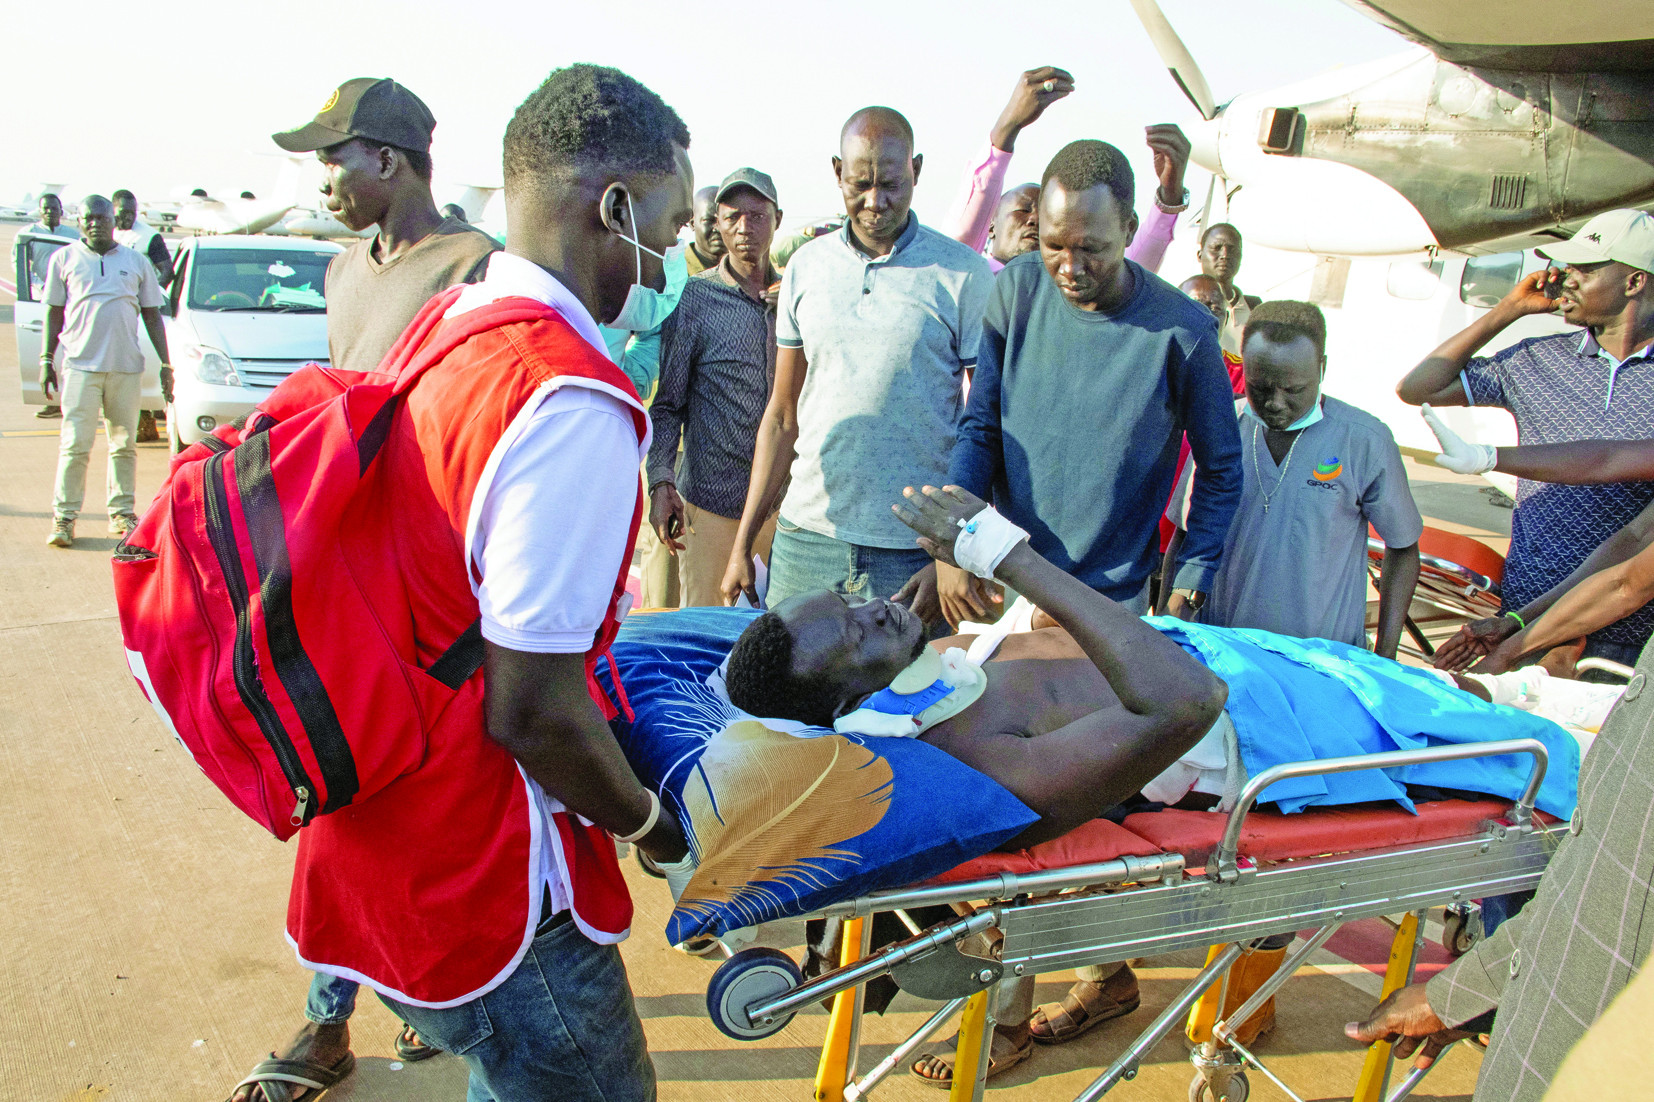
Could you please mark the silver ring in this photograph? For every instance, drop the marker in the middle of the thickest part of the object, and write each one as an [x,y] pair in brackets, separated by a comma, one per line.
[1050,86]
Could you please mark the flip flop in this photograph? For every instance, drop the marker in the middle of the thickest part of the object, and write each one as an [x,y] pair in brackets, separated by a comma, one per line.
[275,1078]
[996,1064]
[417,1050]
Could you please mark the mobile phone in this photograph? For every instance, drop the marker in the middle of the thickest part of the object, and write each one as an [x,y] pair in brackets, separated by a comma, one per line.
[1552,287]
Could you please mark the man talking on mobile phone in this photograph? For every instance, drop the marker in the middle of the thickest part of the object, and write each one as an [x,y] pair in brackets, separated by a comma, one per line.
[1561,388]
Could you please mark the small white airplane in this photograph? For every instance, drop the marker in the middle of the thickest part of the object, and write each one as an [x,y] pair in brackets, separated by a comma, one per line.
[201,213]
[474,199]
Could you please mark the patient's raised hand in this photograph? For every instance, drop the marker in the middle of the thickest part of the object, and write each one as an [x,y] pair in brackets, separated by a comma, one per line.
[1473,641]
[937,516]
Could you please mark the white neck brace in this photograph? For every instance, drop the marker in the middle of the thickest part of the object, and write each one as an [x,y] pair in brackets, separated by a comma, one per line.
[937,686]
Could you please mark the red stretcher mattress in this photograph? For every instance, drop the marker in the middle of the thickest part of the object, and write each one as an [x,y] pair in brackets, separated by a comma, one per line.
[1266,836]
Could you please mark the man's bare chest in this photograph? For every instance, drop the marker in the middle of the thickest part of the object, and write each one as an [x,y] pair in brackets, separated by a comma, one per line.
[1037,682]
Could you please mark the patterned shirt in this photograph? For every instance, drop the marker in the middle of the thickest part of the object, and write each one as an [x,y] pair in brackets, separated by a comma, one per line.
[717,363]
[1555,967]
[1562,388]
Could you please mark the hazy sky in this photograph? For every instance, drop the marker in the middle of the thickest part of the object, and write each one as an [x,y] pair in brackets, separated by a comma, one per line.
[188,92]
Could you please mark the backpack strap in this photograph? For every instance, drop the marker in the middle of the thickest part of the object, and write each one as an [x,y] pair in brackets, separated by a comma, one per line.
[429,338]
[425,343]
[462,658]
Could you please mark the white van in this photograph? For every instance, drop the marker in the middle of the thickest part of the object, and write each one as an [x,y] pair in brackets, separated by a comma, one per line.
[243,313]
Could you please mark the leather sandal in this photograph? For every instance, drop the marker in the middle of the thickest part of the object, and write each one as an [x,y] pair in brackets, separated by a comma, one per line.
[1003,1056]
[1088,1004]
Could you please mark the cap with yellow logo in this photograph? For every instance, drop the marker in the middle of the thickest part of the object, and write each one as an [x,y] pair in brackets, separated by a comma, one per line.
[371,108]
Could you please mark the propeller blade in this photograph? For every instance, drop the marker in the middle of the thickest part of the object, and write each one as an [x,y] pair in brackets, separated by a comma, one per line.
[1176,56]
[1206,211]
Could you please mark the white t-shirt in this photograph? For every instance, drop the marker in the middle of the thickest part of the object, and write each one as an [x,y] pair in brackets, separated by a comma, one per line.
[551,515]
[138,237]
[101,294]
[554,522]
[553,509]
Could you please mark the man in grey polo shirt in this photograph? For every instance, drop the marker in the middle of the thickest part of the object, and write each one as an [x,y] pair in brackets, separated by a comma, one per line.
[878,323]
[96,291]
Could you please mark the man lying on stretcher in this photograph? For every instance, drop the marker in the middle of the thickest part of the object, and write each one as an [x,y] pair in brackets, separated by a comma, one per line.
[1073,718]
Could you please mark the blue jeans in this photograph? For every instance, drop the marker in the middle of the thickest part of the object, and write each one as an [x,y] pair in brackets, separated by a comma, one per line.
[802,561]
[332,999]
[1500,909]
[561,1028]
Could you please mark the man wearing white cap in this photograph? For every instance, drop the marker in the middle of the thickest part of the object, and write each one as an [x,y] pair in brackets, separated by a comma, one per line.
[1562,388]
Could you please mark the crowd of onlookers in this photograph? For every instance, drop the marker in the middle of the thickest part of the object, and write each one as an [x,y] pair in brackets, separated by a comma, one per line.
[1170,447]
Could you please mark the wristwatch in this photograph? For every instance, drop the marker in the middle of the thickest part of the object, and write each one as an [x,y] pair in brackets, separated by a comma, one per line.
[1179,209]
[1192,597]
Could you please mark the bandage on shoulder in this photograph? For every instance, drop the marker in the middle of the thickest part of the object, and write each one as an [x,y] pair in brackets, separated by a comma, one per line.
[984,541]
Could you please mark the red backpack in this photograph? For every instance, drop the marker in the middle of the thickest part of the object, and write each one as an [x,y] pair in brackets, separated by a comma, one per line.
[204,590]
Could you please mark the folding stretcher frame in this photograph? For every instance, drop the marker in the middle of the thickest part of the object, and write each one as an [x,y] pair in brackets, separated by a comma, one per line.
[1459,579]
[1266,874]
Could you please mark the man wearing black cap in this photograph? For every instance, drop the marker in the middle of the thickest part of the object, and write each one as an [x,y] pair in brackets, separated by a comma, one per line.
[373,137]
[717,363]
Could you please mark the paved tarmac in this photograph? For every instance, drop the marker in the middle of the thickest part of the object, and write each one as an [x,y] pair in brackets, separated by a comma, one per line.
[141,915]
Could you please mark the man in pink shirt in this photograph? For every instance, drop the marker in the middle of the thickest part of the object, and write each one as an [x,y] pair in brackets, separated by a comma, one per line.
[1007,223]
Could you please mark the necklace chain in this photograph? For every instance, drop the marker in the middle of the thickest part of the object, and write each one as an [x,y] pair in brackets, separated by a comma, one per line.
[1280,478]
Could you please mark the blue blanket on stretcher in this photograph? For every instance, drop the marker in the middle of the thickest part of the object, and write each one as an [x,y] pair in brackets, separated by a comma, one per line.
[1301,699]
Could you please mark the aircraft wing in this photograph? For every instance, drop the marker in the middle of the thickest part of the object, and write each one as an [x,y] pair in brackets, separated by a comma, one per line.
[1589,36]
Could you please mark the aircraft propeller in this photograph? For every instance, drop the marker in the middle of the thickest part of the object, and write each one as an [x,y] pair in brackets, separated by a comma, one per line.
[1181,64]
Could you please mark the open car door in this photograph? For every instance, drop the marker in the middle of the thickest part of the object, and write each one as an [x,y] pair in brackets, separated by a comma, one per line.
[30,254]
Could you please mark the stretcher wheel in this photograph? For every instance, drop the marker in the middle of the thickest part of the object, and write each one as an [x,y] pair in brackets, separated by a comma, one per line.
[745,978]
[647,864]
[1238,1091]
[1461,929]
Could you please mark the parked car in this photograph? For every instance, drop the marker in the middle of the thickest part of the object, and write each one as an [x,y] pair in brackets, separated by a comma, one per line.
[243,313]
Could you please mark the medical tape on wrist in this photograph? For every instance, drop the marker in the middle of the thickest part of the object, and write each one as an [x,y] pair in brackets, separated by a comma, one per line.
[984,541]
[648,824]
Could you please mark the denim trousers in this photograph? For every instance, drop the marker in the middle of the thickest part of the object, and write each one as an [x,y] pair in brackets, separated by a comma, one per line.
[802,561]
[561,1028]
[332,999]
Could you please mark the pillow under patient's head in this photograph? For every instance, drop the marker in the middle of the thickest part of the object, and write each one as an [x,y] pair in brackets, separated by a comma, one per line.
[783,818]
[761,682]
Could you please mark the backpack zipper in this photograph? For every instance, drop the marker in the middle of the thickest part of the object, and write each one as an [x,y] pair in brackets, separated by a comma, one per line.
[244,661]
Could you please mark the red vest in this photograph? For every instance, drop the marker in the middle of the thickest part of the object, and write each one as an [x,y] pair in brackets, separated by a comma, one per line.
[429,891]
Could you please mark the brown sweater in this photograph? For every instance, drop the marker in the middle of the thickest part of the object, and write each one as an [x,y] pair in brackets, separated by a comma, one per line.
[369,303]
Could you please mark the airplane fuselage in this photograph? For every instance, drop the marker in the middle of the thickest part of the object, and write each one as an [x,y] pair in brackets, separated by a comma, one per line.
[1487,158]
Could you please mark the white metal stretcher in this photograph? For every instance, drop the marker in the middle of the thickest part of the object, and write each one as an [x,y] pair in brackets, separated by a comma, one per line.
[1157,883]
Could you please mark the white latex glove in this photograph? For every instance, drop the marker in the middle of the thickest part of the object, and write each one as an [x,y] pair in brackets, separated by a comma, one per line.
[678,874]
[1459,454]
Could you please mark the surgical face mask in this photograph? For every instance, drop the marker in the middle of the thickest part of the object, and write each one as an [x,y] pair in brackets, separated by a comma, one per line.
[1303,422]
[645,308]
